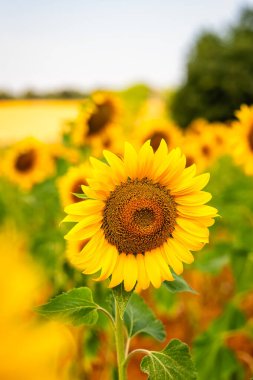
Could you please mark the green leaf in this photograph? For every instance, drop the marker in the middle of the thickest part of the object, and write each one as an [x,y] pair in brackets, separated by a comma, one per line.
[76,306]
[178,285]
[139,318]
[174,362]
[81,196]
[210,347]
[122,297]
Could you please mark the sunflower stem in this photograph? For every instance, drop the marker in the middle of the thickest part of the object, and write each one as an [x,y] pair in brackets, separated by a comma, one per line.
[120,341]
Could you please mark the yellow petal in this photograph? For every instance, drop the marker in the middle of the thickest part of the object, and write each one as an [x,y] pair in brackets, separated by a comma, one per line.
[145,160]
[117,274]
[165,271]
[130,272]
[83,234]
[86,222]
[193,227]
[108,262]
[175,171]
[167,164]
[186,240]
[86,207]
[184,178]
[195,184]
[91,194]
[181,252]
[117,165]
[197,211]
[193,199]
[153,270]
[130,161]
[143,280]
[89,250]
[172,259]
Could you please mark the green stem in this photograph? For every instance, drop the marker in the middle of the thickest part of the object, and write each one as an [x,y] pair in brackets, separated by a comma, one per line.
[120,343]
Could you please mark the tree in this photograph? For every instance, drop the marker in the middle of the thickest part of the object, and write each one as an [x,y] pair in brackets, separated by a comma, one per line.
[219,75]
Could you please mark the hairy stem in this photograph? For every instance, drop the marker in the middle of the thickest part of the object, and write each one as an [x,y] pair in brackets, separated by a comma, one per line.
[120,343]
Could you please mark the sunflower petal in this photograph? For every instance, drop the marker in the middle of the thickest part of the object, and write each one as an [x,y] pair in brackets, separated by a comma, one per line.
[153,271]
[143,280]
[130,272]
[117,274]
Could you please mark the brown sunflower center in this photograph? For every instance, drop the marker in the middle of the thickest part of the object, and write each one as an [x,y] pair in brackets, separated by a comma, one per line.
[156,139]
[206,150]
[250,138]
[189,161]
[25,161]
[100,117]
[76,188]
[139,216]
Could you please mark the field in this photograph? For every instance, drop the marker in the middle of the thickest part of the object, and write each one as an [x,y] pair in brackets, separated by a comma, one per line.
[45,149]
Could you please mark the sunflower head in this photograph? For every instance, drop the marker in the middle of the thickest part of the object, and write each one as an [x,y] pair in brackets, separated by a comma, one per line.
[242,139]
[156,130]
[28,162]
[98,113]
[142,217]
[71,183]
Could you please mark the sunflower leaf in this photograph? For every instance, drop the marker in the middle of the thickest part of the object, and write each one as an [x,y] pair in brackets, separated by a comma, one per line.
[139,318]
[76,306]
[174,362]
[121,297]
[178,285]
[79,195]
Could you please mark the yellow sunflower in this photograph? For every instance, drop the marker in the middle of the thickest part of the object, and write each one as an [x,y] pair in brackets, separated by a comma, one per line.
[242,144]
[204,142]
[143,216]
[98,113]
[28,162]
[71,183]
[155,130]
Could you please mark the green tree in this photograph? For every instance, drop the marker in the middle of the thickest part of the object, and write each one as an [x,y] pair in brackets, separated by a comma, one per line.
[219,75]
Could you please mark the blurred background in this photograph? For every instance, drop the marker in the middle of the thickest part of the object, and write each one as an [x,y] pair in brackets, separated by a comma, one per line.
[77,77]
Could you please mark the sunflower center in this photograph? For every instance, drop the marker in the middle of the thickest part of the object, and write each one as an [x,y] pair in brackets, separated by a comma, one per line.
[25,161]
[189,161]
[250,138]
[156,139]
[139,216]
[100,117]
[206,150]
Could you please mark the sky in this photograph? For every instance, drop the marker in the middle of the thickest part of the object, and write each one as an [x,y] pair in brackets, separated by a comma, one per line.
[87,44]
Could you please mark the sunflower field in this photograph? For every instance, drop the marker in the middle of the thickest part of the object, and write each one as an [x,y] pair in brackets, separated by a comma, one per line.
[134,220]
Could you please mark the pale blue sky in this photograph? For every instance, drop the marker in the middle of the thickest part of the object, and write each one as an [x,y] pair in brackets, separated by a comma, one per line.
[50,44]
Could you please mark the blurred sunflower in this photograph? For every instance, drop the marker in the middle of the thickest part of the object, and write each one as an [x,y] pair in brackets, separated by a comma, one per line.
[204,142]
[155,130]
[28,162]
[242,144]
[29,349]
[143,215]
[58,150]
[98,115]
[71,183]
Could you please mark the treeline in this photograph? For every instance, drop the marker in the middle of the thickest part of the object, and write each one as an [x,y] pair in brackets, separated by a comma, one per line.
[30,94]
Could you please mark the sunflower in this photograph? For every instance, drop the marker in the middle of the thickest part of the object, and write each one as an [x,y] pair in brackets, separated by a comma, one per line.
[143,215]
[98,114]
[70,184]
[28,162]
[242,144]
[156,129]
[204,142]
